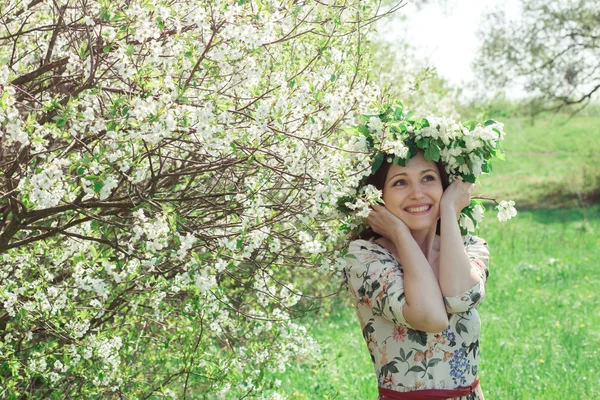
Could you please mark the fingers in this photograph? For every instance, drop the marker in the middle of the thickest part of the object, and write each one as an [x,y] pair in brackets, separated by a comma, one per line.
[458,194]
[376,208]
[373,218]
[372,213]
[470,187]
[461,180]
[378,213]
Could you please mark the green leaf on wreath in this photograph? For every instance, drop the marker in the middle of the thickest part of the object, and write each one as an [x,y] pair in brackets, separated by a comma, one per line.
[470,125]
[432,153]
[499,154]
[469,178]
[486,166]
[377,162]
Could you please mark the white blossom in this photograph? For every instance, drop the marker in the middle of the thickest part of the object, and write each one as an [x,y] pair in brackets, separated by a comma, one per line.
[47,187]
[395,147]
[37,364]
[109,184]
[4,71]
[220,265]
[466,223]
[78,329]
[506,210]
[477,212]
[374,123]
[88,21]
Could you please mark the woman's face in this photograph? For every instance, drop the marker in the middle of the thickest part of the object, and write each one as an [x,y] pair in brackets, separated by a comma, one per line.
[413,193]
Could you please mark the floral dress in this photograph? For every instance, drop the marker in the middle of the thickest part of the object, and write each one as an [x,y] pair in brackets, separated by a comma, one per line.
[406,359]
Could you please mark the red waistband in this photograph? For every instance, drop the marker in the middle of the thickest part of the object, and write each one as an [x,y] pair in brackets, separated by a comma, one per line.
[428,394]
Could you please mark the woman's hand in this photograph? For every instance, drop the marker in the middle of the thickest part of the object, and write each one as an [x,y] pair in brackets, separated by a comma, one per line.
[383,222]
[456,196]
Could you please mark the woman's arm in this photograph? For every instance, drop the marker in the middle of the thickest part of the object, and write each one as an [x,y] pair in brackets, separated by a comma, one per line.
[424,309]
[457,274]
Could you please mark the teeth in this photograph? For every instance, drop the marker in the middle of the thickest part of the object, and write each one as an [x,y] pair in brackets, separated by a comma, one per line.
[418,209]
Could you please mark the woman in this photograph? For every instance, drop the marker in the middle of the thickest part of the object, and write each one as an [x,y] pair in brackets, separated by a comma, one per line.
[417,282]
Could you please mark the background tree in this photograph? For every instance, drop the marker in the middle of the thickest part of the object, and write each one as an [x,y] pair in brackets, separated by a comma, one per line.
[403,74]
[169,177]
[554,49]
[400,72]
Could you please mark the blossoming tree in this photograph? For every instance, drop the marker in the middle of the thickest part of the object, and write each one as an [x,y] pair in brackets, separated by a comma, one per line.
[170,172]
[552,49]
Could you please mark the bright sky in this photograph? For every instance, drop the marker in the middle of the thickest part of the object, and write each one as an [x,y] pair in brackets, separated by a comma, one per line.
[446,34]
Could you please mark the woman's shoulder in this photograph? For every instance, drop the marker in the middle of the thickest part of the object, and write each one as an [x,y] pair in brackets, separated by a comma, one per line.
[368,251]
[359,245]
[477,248]
[470,240]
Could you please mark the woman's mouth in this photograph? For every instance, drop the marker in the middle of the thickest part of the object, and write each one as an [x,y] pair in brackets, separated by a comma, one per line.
[419,209]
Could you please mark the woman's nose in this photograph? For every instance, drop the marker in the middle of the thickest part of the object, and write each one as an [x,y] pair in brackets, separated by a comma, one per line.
[416,192]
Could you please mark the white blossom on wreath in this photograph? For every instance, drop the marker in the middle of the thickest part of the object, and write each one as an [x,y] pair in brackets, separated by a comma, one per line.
[465,150]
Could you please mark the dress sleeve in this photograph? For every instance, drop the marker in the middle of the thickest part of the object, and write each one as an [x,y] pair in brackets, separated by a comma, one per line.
[375,278]
[479,254]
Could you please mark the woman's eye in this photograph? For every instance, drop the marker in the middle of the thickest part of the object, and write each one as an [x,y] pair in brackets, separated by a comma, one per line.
[429,178]
[399,183]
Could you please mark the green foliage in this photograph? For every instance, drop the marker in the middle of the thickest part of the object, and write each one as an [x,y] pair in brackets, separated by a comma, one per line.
[168,190]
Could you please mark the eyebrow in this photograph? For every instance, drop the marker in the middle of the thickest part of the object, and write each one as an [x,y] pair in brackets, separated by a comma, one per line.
[404,173]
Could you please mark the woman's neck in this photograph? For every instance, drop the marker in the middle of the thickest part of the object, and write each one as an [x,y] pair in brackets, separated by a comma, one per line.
[425,239]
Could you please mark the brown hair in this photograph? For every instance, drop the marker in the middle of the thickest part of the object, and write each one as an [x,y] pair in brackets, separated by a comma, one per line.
[378,180]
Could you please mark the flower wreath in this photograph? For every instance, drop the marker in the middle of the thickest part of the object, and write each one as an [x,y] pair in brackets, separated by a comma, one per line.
[465,150]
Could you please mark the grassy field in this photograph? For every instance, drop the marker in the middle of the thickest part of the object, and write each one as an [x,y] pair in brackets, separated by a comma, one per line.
[540,319]
[550,164]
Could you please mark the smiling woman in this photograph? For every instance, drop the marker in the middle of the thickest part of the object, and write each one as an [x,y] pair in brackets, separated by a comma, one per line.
[416,281]
[395,181]
[413,193]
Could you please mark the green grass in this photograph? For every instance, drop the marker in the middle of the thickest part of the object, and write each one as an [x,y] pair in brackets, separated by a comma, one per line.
[550,164]
[540,319]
